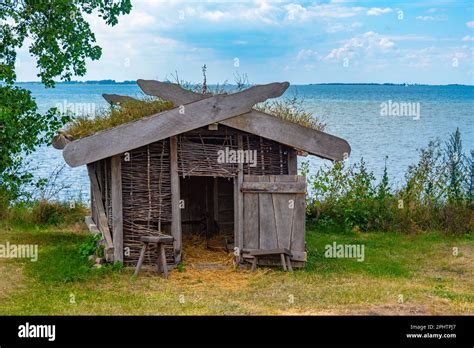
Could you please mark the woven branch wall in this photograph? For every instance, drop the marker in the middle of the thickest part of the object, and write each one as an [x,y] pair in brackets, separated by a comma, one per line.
[146,192]
[272,157]
[198,154]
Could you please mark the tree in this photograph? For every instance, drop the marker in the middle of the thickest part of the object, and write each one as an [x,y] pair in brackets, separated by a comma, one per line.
[60,40]
[456,169]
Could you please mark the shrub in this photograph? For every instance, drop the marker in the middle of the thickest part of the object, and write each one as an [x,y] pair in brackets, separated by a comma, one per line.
[44,212]
[435,195]
[92,246]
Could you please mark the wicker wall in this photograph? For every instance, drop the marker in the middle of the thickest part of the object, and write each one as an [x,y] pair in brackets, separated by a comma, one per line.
[198,153]
[146,192]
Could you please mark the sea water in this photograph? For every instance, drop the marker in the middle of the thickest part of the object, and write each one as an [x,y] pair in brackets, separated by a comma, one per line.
[353,112]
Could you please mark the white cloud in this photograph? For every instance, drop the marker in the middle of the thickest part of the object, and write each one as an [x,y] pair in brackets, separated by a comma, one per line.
[335,28]
[376,11]
[369,43]
[385,43]
[296,11]
[305,54]
[432,18]
[470,24]
[263,12]
[165,41]
[348,50]
[240,42]
[468,38]
[425,18]
[411,37]
[140,19]
[213,15]
[434,10]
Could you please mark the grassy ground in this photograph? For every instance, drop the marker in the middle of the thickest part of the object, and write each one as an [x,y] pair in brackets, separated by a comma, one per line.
[401,274]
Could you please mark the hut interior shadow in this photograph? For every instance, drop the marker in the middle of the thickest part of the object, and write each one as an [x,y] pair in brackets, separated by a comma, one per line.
[207,211]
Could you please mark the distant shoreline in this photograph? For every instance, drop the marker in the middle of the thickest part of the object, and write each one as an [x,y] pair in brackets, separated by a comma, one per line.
[113,82]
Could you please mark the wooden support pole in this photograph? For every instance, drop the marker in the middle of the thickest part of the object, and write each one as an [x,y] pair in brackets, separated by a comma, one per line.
[239,238]
[215,192]
[175,197]
[292,162]
[141,258]
[117,214]
[102,218]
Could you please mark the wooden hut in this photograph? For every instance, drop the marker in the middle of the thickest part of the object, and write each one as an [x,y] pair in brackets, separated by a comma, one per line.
[212,163]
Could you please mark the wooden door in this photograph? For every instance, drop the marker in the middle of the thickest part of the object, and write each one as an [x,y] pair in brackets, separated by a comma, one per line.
[274,213]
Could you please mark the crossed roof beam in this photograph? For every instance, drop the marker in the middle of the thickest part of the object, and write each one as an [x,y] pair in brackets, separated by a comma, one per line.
[194,110]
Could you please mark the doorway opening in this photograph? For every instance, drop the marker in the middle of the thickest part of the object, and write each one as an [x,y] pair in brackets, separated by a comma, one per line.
[207,219]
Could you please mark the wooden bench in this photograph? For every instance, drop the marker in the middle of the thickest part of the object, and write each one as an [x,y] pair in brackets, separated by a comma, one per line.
[161,265]
[285,256]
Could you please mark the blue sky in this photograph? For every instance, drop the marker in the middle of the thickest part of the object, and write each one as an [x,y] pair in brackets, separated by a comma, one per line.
[302,42]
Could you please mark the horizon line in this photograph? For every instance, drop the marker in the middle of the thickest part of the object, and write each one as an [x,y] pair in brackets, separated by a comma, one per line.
[109,81]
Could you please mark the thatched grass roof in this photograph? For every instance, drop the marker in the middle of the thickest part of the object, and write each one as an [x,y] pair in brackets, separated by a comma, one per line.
[128,111]
[290,109]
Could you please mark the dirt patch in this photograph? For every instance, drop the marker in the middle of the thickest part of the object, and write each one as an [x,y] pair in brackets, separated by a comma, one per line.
[11,278]
[399,309]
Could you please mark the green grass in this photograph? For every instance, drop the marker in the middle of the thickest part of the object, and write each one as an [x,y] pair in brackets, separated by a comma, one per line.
[419,267]
[129,111]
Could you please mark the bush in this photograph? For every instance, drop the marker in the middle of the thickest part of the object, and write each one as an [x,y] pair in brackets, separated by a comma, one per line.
[43,212]
[435,195]
[92,246]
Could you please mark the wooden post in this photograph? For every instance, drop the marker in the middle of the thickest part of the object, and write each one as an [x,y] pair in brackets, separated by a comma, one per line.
[117,217]
[102,218]
[210,230]
[93,208]
[215,192]
[175,197]
[239,200]
[292,162]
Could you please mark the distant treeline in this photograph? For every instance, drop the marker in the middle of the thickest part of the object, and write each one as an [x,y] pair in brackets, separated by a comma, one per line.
[133,82]
[89,82]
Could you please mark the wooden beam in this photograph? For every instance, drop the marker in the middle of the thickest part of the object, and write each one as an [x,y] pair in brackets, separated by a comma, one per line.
[102,223]
[236,219]
[117,99]
[315,142]
[268,126]
[175,197]
[117,212]
[215,199]
[296,255]
[159,126]
[169,91]
[91,226]
[274,187]
[239,208]
[60,140]
[292,162]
